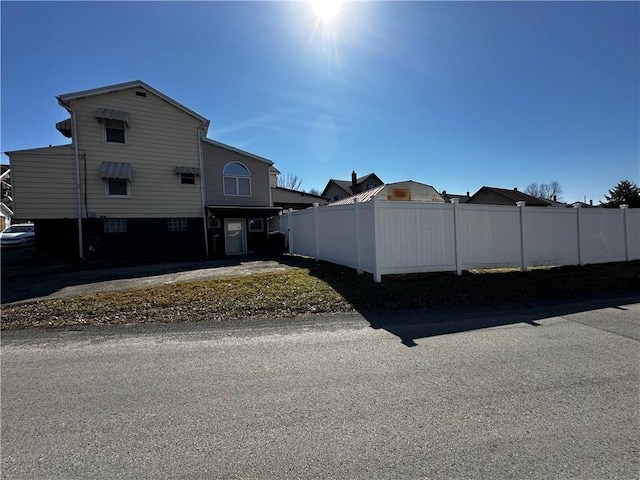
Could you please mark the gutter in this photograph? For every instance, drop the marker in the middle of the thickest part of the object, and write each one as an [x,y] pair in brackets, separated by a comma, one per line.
[202,196]
[74,120]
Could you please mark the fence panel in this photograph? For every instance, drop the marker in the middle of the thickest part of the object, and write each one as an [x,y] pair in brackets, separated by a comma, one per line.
[489,236]
[416,237]
[302,233]
[602,235]
[337,235]
[633,233]
[383,237]
[551,236]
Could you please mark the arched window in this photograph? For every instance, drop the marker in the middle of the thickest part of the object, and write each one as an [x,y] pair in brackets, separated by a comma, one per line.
[237,180]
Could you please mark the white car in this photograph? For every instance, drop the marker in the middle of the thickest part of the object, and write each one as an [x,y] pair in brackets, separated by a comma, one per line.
[18,235]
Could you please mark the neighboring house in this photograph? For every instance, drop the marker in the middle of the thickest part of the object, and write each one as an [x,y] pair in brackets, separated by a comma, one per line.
[408,191]
[139,178]
[503,196]
[338,189]
[286,198]
[6,205]
[449,196]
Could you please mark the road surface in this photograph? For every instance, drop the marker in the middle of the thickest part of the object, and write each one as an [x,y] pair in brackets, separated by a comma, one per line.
[547,392]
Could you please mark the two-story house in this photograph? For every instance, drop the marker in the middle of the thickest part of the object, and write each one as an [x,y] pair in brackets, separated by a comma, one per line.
[140,178]
[338,189]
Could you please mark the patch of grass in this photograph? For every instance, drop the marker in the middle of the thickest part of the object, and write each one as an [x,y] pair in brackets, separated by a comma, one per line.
[320,289]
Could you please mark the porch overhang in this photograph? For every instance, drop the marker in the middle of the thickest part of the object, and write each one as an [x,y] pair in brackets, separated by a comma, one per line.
[229,211]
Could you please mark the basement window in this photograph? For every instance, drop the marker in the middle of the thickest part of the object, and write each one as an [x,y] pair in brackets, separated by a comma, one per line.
[115,225]
[177,224]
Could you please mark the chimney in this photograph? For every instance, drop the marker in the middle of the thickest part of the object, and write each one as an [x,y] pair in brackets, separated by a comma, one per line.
[467,194]
[591,202]
[555,199]
[444,192]
[354,181]
[515,189]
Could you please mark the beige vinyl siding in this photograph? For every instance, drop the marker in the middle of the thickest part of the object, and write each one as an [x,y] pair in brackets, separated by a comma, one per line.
[43,182]
[159,137]
[215,159]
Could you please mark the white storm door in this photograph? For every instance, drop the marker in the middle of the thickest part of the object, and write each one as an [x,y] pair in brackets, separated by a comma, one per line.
[235,238]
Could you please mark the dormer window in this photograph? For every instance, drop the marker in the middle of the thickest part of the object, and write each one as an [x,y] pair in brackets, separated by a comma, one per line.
[114,131]
[236,180]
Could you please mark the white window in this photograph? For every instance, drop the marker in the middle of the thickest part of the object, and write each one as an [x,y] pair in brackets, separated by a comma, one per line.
[177,224]
[187,178]
[116,187]
[115,225]
[114,131]
[237,181]
[256,225]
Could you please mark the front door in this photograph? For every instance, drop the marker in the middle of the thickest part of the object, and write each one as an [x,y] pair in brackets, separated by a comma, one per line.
[235,238]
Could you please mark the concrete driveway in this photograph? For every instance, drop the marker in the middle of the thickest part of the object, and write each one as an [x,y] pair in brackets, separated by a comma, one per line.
[69,284]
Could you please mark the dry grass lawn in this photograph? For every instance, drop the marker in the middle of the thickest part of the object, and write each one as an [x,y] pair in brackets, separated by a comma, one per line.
[320,289]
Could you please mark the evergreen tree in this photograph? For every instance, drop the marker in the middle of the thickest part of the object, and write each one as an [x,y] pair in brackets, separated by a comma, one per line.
[625,192]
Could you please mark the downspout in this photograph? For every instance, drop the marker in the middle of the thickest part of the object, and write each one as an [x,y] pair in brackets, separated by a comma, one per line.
[202,196]
[74,137]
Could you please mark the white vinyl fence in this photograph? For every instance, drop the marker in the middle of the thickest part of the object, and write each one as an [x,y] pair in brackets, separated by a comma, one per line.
[385,237]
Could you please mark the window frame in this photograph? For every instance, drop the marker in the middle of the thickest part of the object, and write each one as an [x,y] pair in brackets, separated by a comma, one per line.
[251,228]
[177,224]
[236,179]
[118,225]
[107,191]
[183,176]
[105,121]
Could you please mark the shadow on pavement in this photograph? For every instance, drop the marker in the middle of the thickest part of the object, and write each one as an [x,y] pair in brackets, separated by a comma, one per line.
[419,306]
[412,325]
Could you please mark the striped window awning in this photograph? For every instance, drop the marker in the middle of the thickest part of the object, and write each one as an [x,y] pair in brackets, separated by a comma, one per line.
[115,170]
[65,127]
[112,115]
[190,170]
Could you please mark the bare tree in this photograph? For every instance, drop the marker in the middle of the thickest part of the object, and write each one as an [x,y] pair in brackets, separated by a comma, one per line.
[546,191]
[289,180]
[315,191]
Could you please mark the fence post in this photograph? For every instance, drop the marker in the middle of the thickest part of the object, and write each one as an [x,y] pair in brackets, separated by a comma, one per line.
[290,230]
[377,277]
[316,230]
[356,209]
[456,234]
[624,208]
[523,258]
[578,216]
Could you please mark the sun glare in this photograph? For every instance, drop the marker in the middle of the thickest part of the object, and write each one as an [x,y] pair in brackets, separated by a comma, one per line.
[326,10]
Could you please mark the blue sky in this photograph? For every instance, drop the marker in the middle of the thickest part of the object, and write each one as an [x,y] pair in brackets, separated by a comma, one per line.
[456,95]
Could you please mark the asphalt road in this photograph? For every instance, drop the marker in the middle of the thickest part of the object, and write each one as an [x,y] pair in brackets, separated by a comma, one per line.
[512,394]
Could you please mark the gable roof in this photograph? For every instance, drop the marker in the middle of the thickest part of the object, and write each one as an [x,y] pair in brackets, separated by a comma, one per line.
[346,184]
[407,190]
[237,150]
[65,98]
[513,195]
